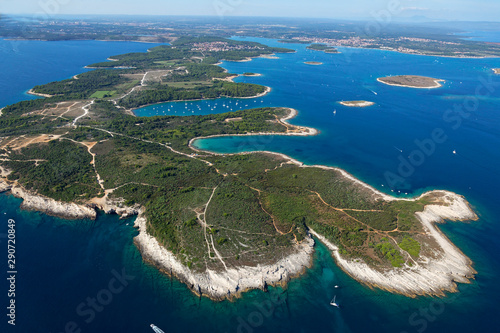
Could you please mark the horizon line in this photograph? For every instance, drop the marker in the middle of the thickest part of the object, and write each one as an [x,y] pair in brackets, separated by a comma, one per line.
[399,20]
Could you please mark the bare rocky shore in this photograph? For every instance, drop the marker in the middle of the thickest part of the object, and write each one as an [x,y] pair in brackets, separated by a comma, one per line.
[32,201]
[52,207]
[220,285]
[430,276]
[66,210]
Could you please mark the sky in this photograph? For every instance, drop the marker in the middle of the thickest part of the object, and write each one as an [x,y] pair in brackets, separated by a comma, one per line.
[469,10]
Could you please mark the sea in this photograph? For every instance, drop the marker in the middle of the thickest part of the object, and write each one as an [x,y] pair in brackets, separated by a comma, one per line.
[481,36]
[87,276]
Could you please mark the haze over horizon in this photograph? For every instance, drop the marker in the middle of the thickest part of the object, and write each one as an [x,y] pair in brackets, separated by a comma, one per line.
[399,10]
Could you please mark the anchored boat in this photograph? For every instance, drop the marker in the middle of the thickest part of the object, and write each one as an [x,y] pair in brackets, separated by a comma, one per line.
[156,329]
[334,303]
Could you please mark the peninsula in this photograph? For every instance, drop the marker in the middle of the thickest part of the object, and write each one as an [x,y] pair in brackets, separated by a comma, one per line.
[222,224]
[357,103]
[411,81]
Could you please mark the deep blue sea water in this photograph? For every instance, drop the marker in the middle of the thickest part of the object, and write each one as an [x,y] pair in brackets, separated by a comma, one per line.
[62,264]
[482,36]
[24,64]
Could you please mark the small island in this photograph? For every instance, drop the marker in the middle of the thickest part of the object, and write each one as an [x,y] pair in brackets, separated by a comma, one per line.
[322,47]
[314,63]
[251,74]
[496,70]
[411,81]
[359,104]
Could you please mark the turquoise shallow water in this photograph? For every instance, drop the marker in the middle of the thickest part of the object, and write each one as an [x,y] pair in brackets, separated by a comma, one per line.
[62,263]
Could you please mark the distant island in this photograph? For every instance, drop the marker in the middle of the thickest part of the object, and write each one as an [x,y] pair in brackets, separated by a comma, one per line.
[322,47]
[251,74]
[315,63]
[360,104]
[496,70]
[411,81]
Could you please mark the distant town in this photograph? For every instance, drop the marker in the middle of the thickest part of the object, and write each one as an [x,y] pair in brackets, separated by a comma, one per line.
[222,47]
[418,39]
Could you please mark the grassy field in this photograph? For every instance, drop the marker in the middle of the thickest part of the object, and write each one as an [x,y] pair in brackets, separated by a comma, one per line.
[127,86]
[189,85]
[103,94]
[166,63]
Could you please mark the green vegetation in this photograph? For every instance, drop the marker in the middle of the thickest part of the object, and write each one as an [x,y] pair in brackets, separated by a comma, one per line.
[60,170]
[187,76]
[411,246]
[84,86]
[259,208]
[196,72]
[322,47]
[103,94]
[390,252]
[251,208]
[177,131]
[82,134]
[161,94]
[24,107]
[183,48]
[14,125]
[166,93]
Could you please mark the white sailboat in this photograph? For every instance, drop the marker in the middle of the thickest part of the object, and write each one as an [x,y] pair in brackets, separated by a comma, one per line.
[156,329]
[334,303]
